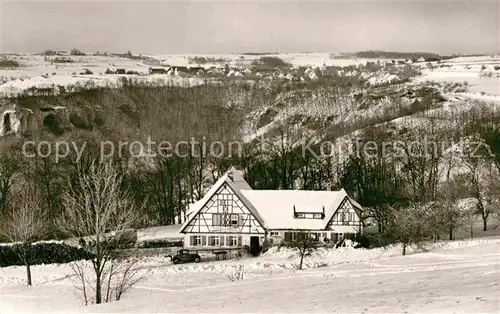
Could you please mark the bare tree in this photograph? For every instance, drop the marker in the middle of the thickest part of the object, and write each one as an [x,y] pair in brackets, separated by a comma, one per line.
[407,224]
[303,244]
[9,167]
[476,157]
[97,210]
[24,223]
[449,194]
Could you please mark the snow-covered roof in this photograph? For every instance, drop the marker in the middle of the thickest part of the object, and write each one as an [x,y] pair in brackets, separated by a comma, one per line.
[276,207]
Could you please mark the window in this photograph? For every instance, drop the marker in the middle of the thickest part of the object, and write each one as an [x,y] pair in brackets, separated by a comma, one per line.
[222,202]
[345,217]
[300,215]
[198,240]
[216,241]
[234,220]
[288,236]
[216,219]
[275,234]
[318,216]
[234,241]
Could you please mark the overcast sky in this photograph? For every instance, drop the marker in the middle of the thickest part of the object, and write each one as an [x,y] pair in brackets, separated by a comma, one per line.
[234,26]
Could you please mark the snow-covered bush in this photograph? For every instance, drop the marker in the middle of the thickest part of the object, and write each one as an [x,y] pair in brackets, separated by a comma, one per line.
[239,274]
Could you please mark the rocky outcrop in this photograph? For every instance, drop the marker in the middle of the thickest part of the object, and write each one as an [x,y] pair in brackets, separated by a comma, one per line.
[9,119]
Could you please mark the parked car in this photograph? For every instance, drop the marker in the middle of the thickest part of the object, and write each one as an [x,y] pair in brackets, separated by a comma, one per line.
[185,256]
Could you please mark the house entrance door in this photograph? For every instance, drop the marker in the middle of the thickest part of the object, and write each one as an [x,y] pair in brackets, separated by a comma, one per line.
[254,246]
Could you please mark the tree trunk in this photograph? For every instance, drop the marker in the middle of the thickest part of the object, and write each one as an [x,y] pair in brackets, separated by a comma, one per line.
[471,231]
[301,260]
[404,249]
[485,224]
[28,274]
[451,233]
[98,289]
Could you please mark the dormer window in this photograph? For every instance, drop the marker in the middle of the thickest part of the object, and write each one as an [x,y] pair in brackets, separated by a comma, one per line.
[308,215]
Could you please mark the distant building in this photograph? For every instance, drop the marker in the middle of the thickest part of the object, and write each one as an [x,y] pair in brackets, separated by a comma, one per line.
[421,59]
[157,71]
[120,71]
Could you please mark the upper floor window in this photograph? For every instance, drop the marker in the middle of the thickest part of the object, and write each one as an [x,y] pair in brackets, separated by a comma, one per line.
[346,217]
[234,220]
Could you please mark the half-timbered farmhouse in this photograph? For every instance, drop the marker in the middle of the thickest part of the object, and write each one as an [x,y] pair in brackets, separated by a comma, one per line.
[232,214]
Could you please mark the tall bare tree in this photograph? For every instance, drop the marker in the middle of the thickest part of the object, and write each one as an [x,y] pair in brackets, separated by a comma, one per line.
[476,157]
[24,223]
[97,210]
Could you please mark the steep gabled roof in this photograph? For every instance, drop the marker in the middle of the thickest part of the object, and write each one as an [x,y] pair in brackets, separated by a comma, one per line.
[232,178]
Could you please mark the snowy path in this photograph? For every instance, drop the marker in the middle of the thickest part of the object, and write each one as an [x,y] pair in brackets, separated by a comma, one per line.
[461,279]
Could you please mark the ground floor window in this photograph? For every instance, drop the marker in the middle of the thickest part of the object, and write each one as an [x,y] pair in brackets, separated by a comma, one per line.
[216,241]
[274,234]
[199,240]
[234,241]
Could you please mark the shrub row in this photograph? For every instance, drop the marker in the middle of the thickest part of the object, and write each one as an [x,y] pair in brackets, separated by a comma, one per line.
[159,243]
[42,253]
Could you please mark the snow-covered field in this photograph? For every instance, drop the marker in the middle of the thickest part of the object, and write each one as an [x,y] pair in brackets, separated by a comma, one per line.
[482,78]
[449,277]
[36,71]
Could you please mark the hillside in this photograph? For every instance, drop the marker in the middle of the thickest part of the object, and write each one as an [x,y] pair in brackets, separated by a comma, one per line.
[284,133]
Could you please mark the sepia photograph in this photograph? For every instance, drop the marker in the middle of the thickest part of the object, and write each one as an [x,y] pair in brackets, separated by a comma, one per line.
[250,156]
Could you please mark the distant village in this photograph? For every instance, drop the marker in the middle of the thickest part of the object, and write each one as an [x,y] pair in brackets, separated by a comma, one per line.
[293,74]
